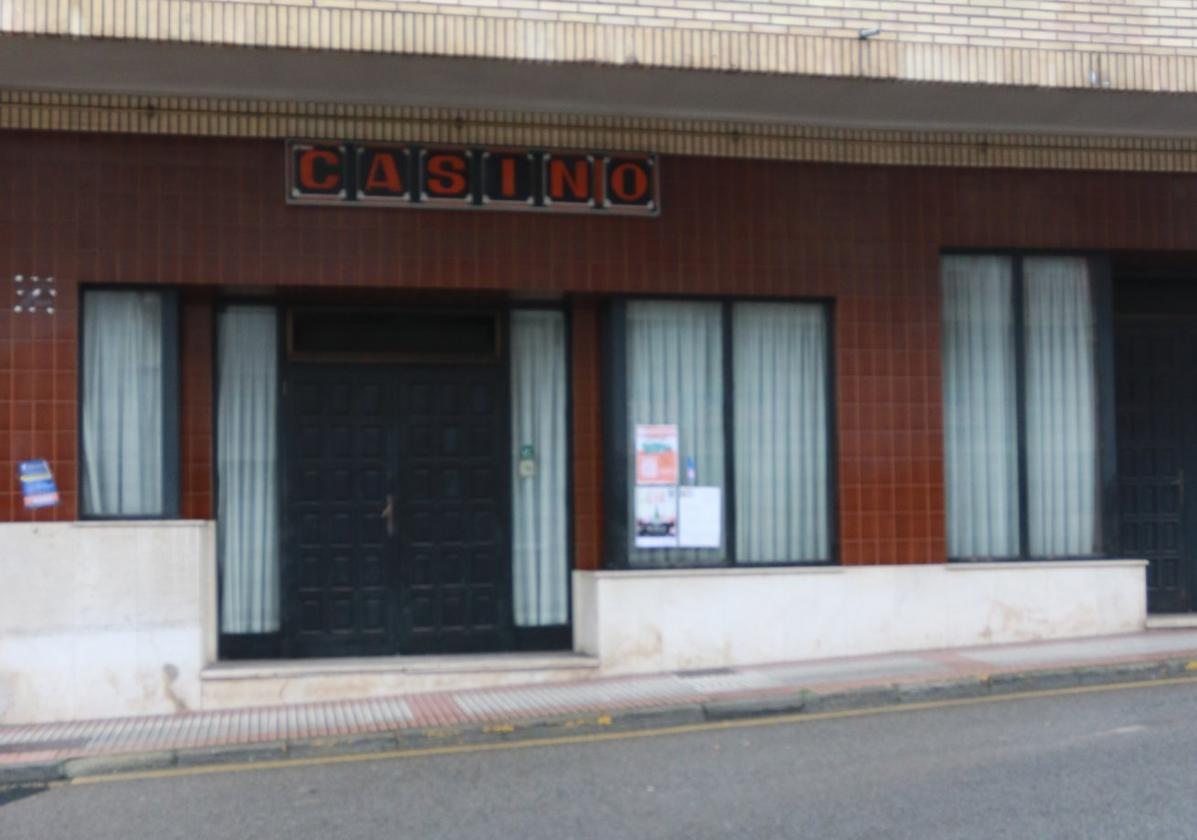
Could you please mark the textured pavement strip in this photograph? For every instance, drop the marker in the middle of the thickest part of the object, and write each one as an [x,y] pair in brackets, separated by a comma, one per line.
[358,717]
[444,708]
[436,709]
[587,696]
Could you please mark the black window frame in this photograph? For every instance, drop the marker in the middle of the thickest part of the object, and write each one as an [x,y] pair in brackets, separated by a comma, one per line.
[1100,276]
[617,446]
[171,409]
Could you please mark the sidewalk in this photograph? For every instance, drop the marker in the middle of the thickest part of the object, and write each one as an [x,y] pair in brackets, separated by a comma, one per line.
[46,752]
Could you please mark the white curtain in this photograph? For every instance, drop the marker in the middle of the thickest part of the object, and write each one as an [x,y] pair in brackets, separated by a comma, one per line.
[980,407]
[675,376]
[538,420]
[1061,424]
[780,375]
[246,464]
[122,413]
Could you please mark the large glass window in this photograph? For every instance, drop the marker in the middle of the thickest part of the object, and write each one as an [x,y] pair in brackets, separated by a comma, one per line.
[780,403]
[1020,407]
[247,469]
[722,424]
[674,379]
[129,404]
[540,550]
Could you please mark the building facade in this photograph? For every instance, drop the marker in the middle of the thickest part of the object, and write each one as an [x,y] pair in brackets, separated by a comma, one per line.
[384,346]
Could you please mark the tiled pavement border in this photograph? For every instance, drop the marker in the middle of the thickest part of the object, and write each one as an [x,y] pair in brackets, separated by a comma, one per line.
[42,753]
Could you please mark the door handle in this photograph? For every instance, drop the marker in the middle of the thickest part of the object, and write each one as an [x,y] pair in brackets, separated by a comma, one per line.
[388,513]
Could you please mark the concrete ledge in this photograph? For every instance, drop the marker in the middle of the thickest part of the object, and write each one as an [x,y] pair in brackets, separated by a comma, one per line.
[649,621]
[1178,621]
[102,619]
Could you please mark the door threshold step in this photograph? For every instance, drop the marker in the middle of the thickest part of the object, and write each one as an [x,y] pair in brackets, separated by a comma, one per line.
[433,664]
[1171,621]
[461,663]
[226,685]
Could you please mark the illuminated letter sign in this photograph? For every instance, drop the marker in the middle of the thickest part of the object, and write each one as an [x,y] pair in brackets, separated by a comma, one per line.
[402,175]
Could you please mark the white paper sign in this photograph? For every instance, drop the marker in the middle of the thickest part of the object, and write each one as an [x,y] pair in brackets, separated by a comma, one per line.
[656,517]
[700,517]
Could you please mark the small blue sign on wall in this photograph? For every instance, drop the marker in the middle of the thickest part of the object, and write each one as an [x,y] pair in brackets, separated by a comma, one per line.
[37,484]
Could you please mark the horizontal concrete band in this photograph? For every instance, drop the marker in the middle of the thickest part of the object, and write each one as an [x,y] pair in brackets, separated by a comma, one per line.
[218,117]
[332,25]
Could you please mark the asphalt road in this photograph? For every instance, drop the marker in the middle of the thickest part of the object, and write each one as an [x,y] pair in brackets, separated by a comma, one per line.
[1104,765]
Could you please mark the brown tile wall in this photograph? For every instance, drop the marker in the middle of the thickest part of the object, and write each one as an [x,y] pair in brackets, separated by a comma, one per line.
[196,417]
[588,438]
[209,214]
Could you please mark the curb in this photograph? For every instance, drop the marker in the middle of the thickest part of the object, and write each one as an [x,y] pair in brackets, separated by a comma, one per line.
[799,702]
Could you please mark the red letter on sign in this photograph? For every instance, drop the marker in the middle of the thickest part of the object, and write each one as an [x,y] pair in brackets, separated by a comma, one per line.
[319,170]
[628,182]
[446,175]
[507,167]
[566,185]
[383,174]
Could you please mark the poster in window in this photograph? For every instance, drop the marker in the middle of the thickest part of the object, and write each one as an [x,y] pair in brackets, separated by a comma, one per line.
[656,517]
[656,453]
[700,517]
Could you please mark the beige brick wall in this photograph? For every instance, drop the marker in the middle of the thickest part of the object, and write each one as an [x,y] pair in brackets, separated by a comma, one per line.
[1139,45]
[1166,27]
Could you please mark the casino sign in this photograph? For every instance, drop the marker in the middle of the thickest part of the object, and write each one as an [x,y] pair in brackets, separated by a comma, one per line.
[404,175]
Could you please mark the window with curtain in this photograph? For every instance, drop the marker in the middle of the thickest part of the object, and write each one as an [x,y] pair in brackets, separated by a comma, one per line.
[247,469]
[980,410]
[744,385]
[1020,407]
[129,419]
[675,377]
[539,439]
[1061,408]
[780,404]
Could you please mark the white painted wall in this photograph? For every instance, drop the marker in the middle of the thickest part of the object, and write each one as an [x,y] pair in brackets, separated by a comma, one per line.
[103,619]
[660,620]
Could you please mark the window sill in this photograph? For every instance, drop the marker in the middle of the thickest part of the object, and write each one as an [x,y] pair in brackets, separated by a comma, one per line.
[722,571]
[140,522]
[1015,564]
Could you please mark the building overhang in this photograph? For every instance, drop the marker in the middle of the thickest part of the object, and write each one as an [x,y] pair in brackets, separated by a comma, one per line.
[173,69]
[750,114]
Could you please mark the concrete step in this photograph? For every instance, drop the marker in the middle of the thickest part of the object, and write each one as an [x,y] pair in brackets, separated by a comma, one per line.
[229,685]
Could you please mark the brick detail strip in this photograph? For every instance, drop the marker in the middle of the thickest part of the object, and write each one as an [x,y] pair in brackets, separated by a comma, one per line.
[215,117]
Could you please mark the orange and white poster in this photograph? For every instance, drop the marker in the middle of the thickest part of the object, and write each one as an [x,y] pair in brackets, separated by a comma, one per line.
[656,453]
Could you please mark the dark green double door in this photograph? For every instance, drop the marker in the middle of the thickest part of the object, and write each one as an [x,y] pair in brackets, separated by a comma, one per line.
[395,510]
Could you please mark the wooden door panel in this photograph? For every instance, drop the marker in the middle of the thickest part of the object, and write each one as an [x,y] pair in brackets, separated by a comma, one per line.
[339,566]
[453,552]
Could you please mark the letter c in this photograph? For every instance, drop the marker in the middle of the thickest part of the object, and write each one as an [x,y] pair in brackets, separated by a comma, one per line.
[327,178]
